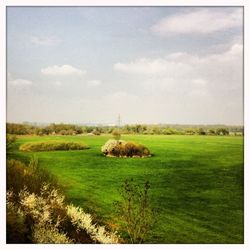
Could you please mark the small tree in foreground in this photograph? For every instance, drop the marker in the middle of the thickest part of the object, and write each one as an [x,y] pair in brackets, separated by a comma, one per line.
[134,210]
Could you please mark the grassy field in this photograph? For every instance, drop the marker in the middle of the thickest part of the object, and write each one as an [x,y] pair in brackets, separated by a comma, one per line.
[197,182]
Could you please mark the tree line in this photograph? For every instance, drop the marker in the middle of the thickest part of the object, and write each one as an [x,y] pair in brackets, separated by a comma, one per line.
[72,129]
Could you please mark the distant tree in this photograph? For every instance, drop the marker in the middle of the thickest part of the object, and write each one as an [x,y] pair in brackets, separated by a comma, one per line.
[169,131]
[116,134]
[126,129]
[156,129]
[190,131]
[222,131]
[96,131]
[201,131]
[78,130]
[211,132]
[63,132]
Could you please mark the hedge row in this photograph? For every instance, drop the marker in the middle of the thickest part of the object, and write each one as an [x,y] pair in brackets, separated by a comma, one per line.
[51,146]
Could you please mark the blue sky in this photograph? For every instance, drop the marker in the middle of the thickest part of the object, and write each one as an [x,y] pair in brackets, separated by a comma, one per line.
[148,64]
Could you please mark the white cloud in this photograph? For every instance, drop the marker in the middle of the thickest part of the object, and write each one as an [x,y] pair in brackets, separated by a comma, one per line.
[200,82]
[202,21]
[64,70]
[18,82]
[149,66]
[94,83]
[180,64]
[58,83]
[45,41]
[182,74]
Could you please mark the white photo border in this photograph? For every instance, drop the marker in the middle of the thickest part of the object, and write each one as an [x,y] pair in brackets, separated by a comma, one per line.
[5,3]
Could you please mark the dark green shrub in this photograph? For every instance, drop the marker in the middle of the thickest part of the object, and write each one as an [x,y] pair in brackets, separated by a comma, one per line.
[211,132]
[51,146]
[201,131]
[222,131]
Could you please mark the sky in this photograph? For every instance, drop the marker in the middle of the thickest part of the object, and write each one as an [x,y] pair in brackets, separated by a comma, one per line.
[180,65]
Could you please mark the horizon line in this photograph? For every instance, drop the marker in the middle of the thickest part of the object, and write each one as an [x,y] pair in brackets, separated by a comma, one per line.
[124,124]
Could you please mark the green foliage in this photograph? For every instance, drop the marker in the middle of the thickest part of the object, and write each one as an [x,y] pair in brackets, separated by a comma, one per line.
[222,131]
[135,149]
[201,131]
[10,140]
[135,210]
[71,129]
[96,132]
[169,131]
[20,177]
[32,176]
[16,225]
[190,131]
[120,148]
[37,212]
[116,134]
[211,132]
[51,146]
[18,129]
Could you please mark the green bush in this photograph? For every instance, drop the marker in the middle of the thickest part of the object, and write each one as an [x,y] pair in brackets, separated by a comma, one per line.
[96,132]
[16,225]
[10,140]
[134,210]
[32,176]
[51,146]
[116,134]
[120,148]
[134,149]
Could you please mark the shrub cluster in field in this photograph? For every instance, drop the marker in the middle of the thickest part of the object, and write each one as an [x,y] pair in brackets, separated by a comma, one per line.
[51,146]
[121,148]
[37,211]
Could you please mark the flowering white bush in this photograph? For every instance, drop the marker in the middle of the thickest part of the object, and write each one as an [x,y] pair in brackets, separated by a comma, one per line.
[47,223]
[41,208]
[110,145]
[84,221]
[49,234]
[120,148]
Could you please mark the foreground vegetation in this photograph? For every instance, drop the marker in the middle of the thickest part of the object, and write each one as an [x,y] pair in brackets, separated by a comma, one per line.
[37,212]
[197,183]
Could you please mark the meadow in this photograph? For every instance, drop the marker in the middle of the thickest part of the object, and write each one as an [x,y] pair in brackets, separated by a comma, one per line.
[196,182]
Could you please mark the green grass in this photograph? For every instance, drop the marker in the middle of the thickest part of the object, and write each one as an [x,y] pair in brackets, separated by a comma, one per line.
[197,182]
